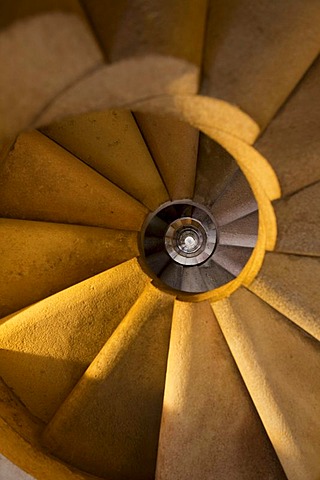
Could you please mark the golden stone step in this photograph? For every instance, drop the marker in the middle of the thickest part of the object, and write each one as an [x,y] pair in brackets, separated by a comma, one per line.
[291,143]
[209,426]
[110,142]
[290,284]
[45,46]
[109,425]
[39,259]
[39,180]
[256,53]
[46,348]
[298,222]
[280,366]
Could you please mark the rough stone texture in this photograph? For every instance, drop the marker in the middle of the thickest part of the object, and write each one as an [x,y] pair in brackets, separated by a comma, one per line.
[47,347]
[290,284]
[291,143]
[242,232]
[40,259]
[41,181]
[173,146]
[110,423]
[233,259]
[237,200]
[256,52]
[110,142]
[298,221]
[209,428]
[215,168]
[280,366]
[37,65]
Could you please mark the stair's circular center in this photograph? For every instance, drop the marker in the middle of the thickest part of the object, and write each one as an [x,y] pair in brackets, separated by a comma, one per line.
[190,241]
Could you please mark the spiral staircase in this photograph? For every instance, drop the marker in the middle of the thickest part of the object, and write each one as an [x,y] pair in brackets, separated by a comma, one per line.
[159,239]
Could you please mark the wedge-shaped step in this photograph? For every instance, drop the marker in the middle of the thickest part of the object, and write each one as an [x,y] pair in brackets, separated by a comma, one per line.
[215,168]
[110,142]
[174,146]
[256,53]
[41,181]
[291,143]
[46,348]
[235,201]
[36,65]
[280,365]
[298,222]
[291,285]
[242,232]
[109,425]
[209,426]
[232,259]
[39,259]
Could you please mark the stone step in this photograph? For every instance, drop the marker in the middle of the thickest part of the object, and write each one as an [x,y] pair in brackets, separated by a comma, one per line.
[173,145]
[298,221]
[280,366]
[242,232]
[255,54]
[42,181]
[215,168]
[110,142]
[109,425]
[291,143]
[209,427]
[40,259]
[235,201]
[36,65]
[47,347]
[290,284]
[233,259]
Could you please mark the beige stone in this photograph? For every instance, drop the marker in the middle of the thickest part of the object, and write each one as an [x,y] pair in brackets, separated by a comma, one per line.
[39,259]
[209,426]
[174,146]
[42,181]
[280,366]
[298,221]
[109,425]
[41,56]
[110,142]
[291,143]
[62,335]
[256,52]
[290,284]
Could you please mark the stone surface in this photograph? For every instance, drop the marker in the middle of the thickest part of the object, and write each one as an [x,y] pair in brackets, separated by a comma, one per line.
[40,259]
[36,65]
[209,426]
[298,221]
[41,181]
[109,425]
[174,147]
[280,366]
[291,143]
[110,142]
[242,232]
[215,168]
[290,284]
[237,200]
[46,348]
[256,53]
